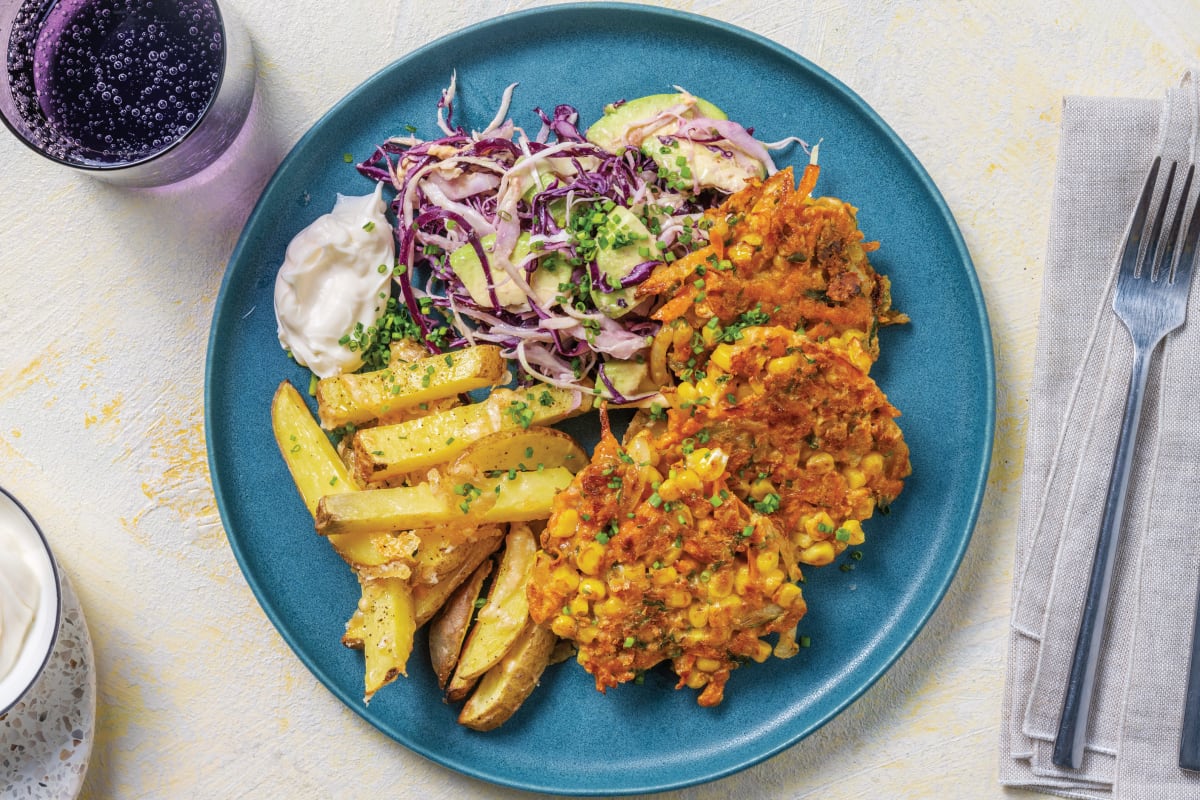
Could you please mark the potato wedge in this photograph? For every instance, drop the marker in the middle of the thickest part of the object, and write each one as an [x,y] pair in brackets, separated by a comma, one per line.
[503,617]
[387,450]
[360,397]
[522,449]
[519,497]
[389,623]
[449,627]
[403,351]
[504,687]
[353,635]
[444,559]
[436,579]
[307,451]
[317,471]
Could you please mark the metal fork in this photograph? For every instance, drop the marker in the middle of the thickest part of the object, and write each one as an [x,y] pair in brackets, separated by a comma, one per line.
[1151,301]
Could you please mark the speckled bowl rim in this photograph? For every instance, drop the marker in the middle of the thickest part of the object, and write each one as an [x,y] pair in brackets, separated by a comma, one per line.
[58,605]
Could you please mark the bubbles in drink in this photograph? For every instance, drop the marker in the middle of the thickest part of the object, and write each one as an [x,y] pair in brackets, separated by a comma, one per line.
[113,81]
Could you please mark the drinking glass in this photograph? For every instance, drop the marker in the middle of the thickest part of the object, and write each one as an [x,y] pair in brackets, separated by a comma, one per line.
[134,92]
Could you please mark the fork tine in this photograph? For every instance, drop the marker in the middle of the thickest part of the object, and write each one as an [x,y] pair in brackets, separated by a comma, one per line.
[1164,256]
[1153,246]
[1187,256]
[1129,259]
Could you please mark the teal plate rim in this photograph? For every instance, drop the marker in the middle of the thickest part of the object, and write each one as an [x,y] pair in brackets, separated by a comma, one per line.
[939,370]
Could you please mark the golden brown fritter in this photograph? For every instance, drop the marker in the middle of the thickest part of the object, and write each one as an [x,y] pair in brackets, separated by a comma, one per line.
[682,545]
[770,450]
[639,567]
[812,441]
[777,256]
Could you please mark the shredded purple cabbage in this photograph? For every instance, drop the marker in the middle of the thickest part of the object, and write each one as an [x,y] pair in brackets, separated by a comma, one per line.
[501,193]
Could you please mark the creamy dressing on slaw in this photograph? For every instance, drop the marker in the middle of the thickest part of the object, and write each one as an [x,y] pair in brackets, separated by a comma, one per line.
[335,276]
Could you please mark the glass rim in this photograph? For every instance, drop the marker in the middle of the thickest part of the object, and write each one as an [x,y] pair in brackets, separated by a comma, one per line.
[114,168]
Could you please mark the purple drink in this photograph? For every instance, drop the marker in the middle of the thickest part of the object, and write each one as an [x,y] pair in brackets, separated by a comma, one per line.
[107,84]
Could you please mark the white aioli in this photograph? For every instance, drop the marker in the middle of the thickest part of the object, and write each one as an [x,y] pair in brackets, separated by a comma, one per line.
[330,281]
[20,587]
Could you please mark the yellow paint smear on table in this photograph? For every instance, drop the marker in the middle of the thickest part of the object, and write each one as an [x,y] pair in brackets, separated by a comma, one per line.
[109,413]
[182,485]
[37,371]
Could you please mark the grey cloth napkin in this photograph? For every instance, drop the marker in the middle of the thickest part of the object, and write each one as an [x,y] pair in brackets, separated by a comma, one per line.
[1081,375]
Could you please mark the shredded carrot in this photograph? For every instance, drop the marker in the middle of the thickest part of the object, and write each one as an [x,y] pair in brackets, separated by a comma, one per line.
[808,181]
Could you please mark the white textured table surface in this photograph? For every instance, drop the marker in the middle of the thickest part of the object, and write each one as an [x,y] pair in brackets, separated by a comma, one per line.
[107,300]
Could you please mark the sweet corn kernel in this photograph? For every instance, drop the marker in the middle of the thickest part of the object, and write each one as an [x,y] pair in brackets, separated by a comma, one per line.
[664,576]
[858,356]
[767,560]
[697,615]
[784,365]
[863,506]
[720,584]
[696,680]
[692,638]
[753,239]
[741,579]
[708,464]
[761,488]
[565,524]
[722,357]
[819,525]
[578,606]
[686,393]
[610,607]
[627,573]
[820,462]
[707,387]
[762,651]
[854,528]
[710,334]
[872,464]
[586,634]
[565,578]
[741,253]
[855,478]
[564,626]
[679,598]
[725,606]
[650,475]
[802,539]
[819,554]
[772,580]
[588,559]
[669,490]
[705,664]
[689,481]
[787,595]
[592,588]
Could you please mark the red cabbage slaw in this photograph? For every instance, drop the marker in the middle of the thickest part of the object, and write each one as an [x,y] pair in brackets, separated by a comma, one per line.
[520,203]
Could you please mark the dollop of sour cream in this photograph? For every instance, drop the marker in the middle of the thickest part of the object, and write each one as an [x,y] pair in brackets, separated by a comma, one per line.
[20,589]
[334,277]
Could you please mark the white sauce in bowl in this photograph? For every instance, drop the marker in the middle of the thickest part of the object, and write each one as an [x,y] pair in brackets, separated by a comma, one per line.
[29,602]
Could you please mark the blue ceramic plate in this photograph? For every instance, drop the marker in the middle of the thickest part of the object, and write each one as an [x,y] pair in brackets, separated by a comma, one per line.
[938,370]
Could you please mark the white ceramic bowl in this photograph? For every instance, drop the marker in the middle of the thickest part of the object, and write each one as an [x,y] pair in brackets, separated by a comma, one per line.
[39,641]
